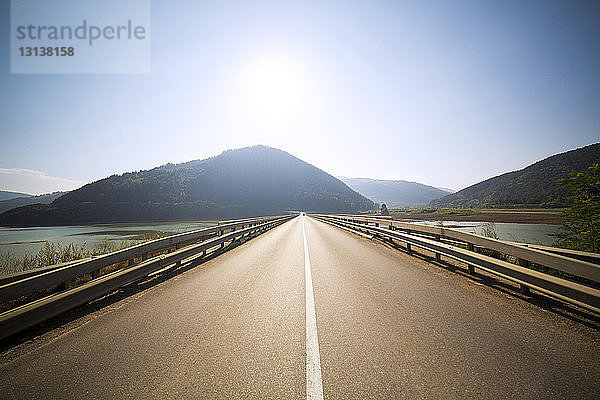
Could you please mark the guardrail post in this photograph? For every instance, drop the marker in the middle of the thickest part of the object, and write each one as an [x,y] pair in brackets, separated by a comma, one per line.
[522,288]
[408,247]
[470,267]
[523,263]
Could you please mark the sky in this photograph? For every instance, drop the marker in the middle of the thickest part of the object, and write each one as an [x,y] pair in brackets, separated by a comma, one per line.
[442,93]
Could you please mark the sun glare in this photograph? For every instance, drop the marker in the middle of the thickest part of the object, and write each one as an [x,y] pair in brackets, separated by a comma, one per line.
[273,89]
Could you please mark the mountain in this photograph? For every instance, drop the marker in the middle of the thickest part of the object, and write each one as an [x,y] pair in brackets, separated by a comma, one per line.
[534,186]
[395,193]
[4,195]
[11,203]
[245,182]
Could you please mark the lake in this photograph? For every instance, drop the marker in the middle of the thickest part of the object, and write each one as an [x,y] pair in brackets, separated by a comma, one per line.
[524,233]
[21,241]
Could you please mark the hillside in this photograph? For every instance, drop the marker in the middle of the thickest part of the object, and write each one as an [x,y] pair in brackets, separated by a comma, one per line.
[48,198]
[395,193]
[238,183]
[4,195]
[533,186]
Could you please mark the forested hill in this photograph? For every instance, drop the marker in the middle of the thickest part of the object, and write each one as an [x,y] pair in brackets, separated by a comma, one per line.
[245,182]
[534,186]
[26,199]
[395,193]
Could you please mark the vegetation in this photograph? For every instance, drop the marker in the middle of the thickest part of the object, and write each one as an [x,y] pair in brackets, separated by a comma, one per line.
[436,211]
[53,253]
[384,210]
[25,200]
[533,187]
[581,230]
[395,193]
[238,183]
[489,231]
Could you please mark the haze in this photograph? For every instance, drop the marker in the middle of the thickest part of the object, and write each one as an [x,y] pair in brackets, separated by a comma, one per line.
[443,93]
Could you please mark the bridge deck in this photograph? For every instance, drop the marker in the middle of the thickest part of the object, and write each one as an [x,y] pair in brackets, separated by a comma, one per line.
[388,326]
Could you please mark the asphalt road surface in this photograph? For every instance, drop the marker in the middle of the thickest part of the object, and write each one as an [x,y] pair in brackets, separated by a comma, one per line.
[309,311]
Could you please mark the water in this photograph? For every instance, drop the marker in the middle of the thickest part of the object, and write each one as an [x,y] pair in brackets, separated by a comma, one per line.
[21,241]
[513,232]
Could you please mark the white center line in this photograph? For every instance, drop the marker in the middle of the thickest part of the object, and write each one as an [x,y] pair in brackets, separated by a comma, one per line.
[314,383]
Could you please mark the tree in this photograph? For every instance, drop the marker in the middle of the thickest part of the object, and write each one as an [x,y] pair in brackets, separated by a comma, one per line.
[581,229]
[384,210]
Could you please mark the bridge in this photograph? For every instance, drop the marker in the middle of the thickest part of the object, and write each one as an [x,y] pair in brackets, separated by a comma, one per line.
[307,307]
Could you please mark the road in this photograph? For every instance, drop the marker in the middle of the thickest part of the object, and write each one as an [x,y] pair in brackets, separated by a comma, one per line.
[377,324]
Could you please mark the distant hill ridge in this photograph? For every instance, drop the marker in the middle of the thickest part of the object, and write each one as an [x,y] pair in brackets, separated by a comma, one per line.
[395,193]
[27,199]
[5,195]
[534,186]
[245,182]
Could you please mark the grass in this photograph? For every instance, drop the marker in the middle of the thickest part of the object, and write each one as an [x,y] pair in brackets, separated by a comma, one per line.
[489,231]
[465,211]
[435,211]
[55,253]
[520,209]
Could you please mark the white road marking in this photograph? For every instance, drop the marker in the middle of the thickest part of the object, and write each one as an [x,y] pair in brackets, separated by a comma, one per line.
[314,383]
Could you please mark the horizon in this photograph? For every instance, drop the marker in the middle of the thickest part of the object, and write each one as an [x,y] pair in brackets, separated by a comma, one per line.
[339,177]
[442,95]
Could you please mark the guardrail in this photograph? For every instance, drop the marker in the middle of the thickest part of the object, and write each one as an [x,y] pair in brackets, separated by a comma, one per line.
[465,247]
[23,283]
[594,258]
[185,246]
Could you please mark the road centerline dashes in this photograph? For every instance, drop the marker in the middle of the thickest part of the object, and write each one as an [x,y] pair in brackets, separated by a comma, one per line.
[314,383]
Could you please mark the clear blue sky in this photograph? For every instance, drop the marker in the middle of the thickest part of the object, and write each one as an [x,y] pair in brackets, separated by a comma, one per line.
[446,93]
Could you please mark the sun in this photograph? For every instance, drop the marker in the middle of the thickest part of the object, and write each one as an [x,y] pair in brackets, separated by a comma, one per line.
[273,88]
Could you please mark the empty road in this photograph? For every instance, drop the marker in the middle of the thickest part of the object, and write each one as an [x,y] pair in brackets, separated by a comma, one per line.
[307,310]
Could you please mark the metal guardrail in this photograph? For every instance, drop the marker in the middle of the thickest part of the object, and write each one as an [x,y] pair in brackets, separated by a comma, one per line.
[17,276]
[23,283]
[594,258]
[462,247]
[23,317]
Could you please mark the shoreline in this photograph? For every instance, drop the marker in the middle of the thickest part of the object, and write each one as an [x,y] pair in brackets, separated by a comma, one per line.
[519,217]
